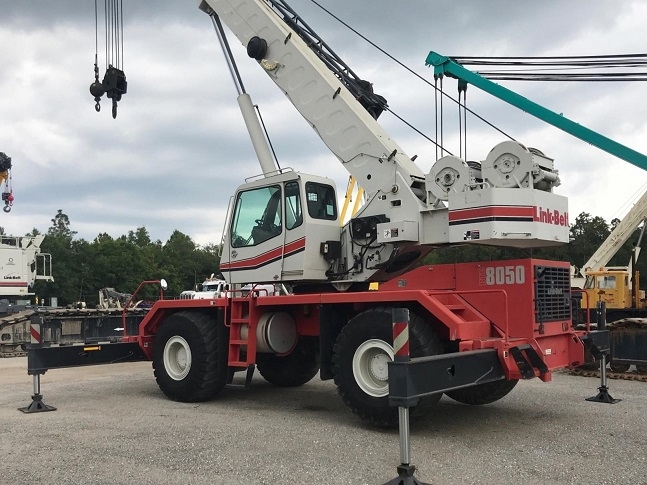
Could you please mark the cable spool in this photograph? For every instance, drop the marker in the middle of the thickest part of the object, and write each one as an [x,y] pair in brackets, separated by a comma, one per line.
[449,173]
[510,164]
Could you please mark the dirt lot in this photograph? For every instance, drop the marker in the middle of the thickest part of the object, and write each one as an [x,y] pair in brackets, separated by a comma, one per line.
[114,426]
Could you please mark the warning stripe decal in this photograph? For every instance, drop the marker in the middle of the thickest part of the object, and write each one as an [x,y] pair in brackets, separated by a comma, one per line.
[491,213]
[267,257]
[34,330]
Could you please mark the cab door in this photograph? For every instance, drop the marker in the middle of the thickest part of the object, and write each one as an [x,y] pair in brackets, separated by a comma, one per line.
[254,235]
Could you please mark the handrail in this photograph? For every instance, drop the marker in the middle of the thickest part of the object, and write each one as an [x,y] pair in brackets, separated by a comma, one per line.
[132,297]
[588,308]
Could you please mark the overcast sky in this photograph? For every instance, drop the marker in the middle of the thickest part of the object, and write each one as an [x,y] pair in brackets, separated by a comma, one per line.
[178,148]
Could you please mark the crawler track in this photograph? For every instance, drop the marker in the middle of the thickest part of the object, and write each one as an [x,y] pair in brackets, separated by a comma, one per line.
[627,376]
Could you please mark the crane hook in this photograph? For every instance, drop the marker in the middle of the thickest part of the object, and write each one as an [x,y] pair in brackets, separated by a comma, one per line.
[96,88]
[8,201]
[7,196]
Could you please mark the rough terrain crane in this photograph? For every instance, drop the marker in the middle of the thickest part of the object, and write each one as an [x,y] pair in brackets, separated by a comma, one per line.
[480,326]
[617,286]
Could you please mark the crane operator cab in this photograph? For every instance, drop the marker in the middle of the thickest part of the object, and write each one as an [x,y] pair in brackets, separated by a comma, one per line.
[276,227]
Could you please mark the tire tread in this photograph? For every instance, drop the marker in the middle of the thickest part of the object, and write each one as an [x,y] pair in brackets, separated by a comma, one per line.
[210,373]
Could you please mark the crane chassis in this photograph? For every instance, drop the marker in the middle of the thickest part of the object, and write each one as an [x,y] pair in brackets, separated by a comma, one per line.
[475,329]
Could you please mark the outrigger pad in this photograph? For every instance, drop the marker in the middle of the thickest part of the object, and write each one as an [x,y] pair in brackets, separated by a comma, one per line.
[603,397]
[405,476]
[37,405]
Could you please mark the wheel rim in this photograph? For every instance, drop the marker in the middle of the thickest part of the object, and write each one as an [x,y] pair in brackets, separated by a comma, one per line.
[370,367]
[177,358]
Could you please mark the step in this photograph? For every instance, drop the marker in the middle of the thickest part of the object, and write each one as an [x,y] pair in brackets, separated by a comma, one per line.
[456,307]
[239,320]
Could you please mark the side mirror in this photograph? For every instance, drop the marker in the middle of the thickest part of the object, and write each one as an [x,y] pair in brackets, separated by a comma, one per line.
[163,284]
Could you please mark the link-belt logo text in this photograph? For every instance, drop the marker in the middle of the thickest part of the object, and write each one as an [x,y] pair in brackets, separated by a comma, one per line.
[549,216]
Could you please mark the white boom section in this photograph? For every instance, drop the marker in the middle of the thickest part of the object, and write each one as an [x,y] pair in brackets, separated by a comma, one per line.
[349,131]
[618,236]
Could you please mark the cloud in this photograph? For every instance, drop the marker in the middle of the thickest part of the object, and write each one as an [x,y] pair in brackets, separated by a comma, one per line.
[178,148]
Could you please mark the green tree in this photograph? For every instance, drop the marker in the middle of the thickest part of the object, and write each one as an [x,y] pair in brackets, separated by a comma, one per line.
[65,267]
[81,268]
[61,226]
[587,234]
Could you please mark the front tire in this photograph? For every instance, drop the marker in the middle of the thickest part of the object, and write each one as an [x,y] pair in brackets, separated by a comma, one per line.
[294,369]
[190,356]
[360,364]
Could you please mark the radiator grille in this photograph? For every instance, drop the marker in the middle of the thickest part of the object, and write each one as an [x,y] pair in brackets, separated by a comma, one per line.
[552,294]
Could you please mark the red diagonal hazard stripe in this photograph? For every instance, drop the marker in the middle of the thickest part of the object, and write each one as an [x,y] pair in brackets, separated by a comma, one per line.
[35,334]
[401,339]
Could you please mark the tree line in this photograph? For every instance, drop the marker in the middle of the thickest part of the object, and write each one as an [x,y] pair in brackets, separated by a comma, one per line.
[81,268]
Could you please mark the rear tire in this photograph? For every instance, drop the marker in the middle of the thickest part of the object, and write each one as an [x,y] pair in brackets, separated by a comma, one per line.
[360,364]
[483,393]
[294,369]
[190,356]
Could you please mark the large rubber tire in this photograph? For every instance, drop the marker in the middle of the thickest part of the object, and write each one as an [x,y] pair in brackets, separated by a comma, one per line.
[483,393]
[360,357]
[294,369]
[190,356]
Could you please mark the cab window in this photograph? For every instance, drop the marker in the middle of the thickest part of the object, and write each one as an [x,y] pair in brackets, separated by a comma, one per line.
[257,216]
[321,202]
[293,211]
[606,282]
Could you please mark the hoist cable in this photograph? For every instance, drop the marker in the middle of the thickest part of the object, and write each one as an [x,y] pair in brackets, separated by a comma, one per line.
[105,17]
[96,33]
[583,77]
[436,114]
[121,35]
[465,121]
[599,68]
[116,33]
[401,64]
[442,115]
[426,137]
[460,128]
[114,19]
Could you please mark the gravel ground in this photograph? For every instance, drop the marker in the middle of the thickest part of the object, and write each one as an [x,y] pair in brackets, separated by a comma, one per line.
[114,426]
